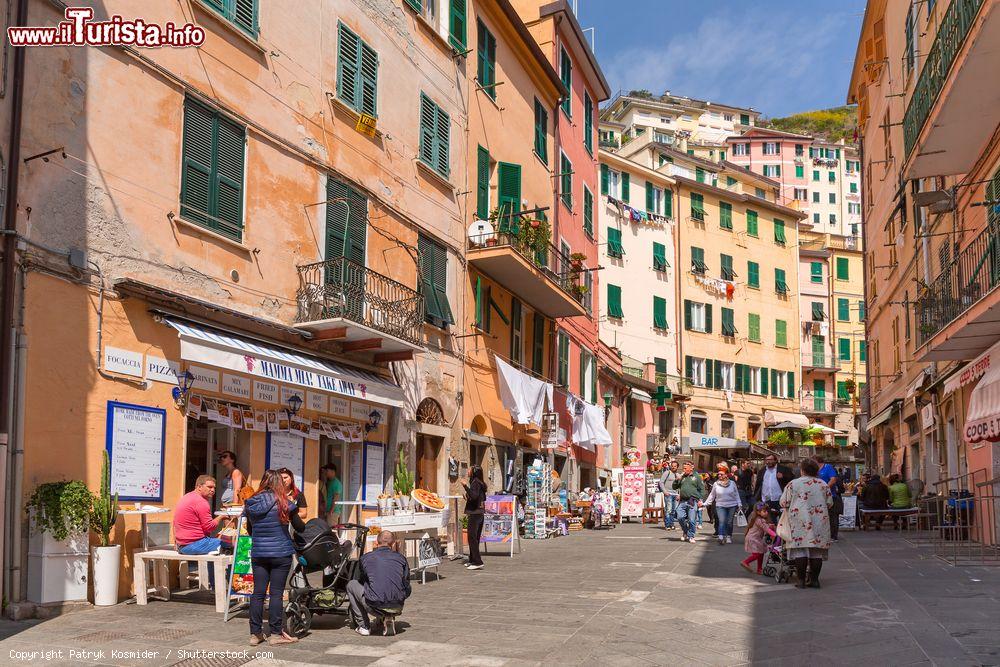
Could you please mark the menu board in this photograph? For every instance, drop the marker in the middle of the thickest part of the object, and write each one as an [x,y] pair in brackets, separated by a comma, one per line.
[374,467]
[848,519]
[286,450]
[498,518]
[633,491]
[134,440]
[241,575]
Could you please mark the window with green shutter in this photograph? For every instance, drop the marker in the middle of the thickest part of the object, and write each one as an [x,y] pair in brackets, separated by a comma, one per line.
[844,348]
[842,394]
[435,136]
[861,311]
[660,313]
[538,344]
[752,223]
[566,180]
[357,72]
[482,183]
[699,174]
[753,327]
[660,257]
[800,171]
[698,264]
[728,323]
[780,286]
[697,206]
[650,197]
[615,248]
[843,268]
[726,262]
[458,25]
[780,333]
[509,196]
[744,119]
[542,132]
[605,179]
[725,215]
[854,187]
[753,275]
[486,52]
[588,212]
[660,366]
[668,203]
[843,310]
[615,301]
[562,367]
[213,149]
[832,177]
[625,187]
[241,13]
[816,174]
[818,313]
[816,272]
[588,123]
[566,76]
[779,232]
[434,282]
[862,351]
[346,224]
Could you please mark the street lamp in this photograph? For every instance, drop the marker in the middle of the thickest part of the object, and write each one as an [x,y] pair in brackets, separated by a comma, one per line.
[374,419]
[185,380]
[294,404]
[608,399]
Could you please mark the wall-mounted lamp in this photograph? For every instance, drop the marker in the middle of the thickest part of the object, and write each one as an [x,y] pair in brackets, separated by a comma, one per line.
[185,380]
[294,404]
[374,419]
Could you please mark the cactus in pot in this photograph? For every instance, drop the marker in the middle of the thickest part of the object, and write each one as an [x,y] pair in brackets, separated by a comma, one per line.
[402,482]
[104,511]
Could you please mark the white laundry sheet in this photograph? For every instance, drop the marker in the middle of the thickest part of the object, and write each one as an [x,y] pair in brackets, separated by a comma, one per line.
[523,395]
[588,423]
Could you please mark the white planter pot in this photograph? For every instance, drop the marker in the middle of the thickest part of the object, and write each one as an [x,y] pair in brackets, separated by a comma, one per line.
[57,570]
[107,564]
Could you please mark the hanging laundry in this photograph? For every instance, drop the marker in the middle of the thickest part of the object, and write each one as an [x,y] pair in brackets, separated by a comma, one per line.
[524,396]
[730,291]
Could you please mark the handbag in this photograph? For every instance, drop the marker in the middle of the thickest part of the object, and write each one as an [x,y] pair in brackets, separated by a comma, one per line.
[784,530]
[741,519]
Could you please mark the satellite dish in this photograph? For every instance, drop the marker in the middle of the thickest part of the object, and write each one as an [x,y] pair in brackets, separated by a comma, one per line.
[480,231]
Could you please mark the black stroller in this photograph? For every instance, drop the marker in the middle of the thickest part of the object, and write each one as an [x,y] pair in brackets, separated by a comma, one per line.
[320,554]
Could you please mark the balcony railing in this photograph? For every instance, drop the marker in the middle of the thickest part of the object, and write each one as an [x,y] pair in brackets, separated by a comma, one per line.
[823,405]
[610,144]
[951,35]
[340,288]
[553,262]
[820,361]
[964,283]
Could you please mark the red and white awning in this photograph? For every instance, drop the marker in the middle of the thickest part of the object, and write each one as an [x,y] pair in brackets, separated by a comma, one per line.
[982,421]
[973,370]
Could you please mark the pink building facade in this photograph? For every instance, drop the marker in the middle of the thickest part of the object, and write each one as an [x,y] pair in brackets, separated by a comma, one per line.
[782,156]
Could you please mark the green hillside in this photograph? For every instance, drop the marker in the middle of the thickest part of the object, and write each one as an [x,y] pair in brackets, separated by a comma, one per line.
[829,124]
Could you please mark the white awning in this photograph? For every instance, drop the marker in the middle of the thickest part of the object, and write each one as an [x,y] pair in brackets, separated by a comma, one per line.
[214,347]
[973,370]
[773,417]
[917,384]
[640,395]
[884,416]
[982,422]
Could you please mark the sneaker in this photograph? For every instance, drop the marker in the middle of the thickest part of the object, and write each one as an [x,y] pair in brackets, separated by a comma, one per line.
[729,539]
[256,640]
[363,631]
[475,567]
[692,540]
[722,539]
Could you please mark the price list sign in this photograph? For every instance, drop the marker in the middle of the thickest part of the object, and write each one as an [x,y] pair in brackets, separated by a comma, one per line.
[134,440]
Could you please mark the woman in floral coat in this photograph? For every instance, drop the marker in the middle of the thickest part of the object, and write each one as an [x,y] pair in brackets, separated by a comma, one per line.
[804,526]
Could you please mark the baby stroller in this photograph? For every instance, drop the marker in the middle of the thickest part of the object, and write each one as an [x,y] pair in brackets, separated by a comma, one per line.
[775,560]
[320,554]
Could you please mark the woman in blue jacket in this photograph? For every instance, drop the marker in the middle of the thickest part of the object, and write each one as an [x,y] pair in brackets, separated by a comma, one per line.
[270,511]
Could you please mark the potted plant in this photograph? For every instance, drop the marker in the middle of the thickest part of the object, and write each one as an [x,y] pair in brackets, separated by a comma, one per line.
[106,557]
[402,481]
[576,261]
[779,438]
[579,291]
[812,435]
[59,516]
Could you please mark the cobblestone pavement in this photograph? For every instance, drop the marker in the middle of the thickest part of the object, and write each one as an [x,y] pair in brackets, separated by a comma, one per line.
[632,595]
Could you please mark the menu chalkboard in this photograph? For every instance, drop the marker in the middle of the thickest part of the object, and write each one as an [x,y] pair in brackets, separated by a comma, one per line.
[286,450]
[134,440]
[374,471]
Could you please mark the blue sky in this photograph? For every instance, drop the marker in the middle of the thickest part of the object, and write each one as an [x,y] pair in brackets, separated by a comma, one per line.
[777,56]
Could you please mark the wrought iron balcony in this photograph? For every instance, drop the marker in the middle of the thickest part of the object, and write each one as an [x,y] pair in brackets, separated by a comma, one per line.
[343,295]
[610,144]
[820,405]
[951,34]
[820,362]
[974,274]
[540,274]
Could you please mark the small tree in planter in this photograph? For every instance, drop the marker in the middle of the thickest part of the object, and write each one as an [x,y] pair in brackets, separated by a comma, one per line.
[107,557]
[60,509]
[59,515]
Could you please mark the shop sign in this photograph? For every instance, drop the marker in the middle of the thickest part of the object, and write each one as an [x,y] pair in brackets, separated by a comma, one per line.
[361,412]
[124,362]
[702,441]
[205,379]
[983,429]
[499,523]
[162,370]
[317,402]
[429,551]
[633,491]
[340,407]
[234,385]
[927,415]
[288,392]
[265,392]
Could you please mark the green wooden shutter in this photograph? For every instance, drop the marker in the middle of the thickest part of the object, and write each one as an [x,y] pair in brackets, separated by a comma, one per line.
[708,318]
[843,268]
[668,203]
[245,16]
[738,378]
[566,75]
[862,351]
[780,285]
[779,232]
[516,331]
[844,310]
[458,25]
[625,187]
[346,222]
[615,301]
[348,66]
[725,215]
[844,347]
[861,311]
[566,180]
[775,390]
[842,394]
[753,326]
[781,333]
[583,374]
[541,132]
[753,274]
[538,343]
[728,322]
[605,179]
[434,282]
[588,212]
[764,372]
[688,308]
[660,313]
[727,267]
[615,248]
[416,5]
[435,133]
[697,206]
[197,175]
[717,374]
[792,392]
[588,123]
[562,369]
[752,229]
[660,257]
[689,368]
[649,197]
[710,373]
[229,178]
[509,195]
[800,171]
[487,54]
[479,302]
[699,174]
[816,272]
[482,183]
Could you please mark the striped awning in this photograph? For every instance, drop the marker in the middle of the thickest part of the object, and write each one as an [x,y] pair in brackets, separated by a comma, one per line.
[214,347]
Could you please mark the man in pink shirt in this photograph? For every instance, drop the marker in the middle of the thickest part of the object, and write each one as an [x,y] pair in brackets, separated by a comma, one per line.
[193,522]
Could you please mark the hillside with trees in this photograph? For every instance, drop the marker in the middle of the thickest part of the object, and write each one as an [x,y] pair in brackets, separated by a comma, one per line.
[829,124]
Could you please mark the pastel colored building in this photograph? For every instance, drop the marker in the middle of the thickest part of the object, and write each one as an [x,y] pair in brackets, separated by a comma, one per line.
[780,156]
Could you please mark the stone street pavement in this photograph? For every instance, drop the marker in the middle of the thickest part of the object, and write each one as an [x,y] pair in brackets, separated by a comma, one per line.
[632,595]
